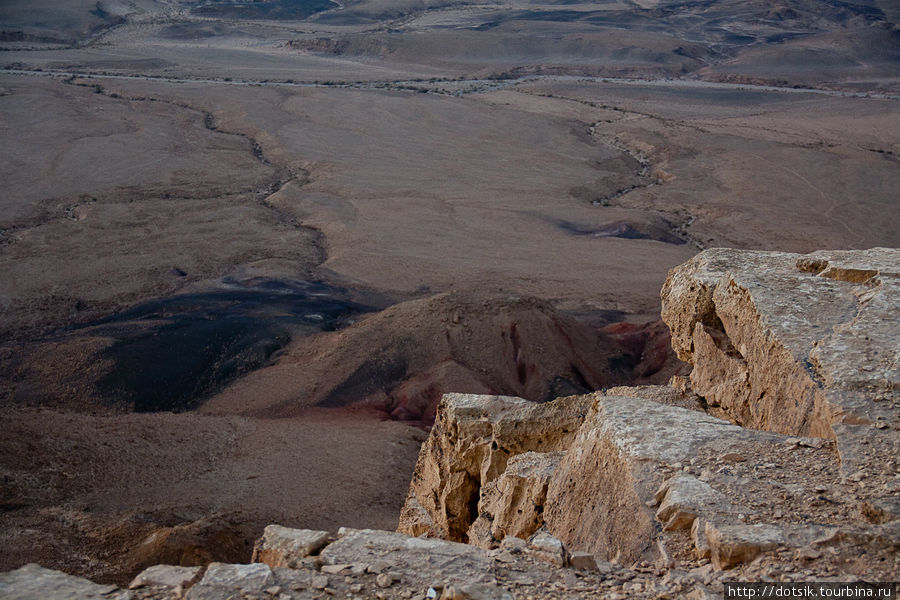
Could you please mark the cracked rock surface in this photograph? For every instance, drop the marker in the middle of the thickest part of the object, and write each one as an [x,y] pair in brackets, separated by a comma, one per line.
[781,450]
[644,482]
[798,344]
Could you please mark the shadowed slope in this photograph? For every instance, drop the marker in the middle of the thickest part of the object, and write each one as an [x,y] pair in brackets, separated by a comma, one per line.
[405,358]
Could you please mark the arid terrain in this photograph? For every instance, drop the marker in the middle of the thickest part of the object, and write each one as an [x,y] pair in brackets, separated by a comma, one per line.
[245,247]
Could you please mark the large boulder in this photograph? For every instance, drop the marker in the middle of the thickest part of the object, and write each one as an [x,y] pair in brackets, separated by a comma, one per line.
[284,546]
[410,559]
[798,344]
[221,580]
[641,481]
[167,576]
[638,473]
[33,581]
[359,563]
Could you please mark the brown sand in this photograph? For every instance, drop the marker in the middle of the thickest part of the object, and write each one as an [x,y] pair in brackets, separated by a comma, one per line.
[570,197]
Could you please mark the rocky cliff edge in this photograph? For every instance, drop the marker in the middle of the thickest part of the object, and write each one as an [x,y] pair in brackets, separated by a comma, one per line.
[781,449]
[776,461]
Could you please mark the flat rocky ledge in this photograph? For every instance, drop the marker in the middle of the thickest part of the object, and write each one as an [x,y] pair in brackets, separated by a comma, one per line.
[646,482]
[797,344]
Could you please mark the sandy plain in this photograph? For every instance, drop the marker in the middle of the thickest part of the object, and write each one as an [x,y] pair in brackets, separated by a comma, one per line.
[296,231]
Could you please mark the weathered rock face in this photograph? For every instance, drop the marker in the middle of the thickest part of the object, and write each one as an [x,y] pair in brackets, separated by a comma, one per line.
[222,580]
[33,581]
[280,545]
[473,439]
[451,562]
[513,504]
[380,564]
[801,346]
[798,344]
[166,576]
[643,481]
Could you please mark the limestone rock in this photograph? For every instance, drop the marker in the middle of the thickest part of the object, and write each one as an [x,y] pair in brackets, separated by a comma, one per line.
[544,546]
[390,565]
[470,444]
[475,592]
[635,475]
[480,533]
[583,561]
[513,544]
[251,578]
[166,576]
[881,510]
[385,580]
[284,547]
[513,504]
[414,519]
[734,544]
[334,569]
[799,344]
[698,537]
[33,581]
[598,500]
[661,394]
[886,535]
[684,497]
[413,559]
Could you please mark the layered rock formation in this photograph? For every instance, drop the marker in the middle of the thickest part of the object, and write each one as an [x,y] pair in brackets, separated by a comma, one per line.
[639,481]
[473,440]
[776,461]
[786,444]
[802,345]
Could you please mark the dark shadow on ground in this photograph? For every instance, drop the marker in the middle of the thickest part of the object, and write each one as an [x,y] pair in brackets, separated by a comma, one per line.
[170,354]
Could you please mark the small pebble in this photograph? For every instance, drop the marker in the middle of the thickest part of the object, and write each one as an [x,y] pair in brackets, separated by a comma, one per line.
[333,569]
[732,457]
[858,476]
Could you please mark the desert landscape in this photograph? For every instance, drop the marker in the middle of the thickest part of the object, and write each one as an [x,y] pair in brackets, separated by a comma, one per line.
[247,247]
